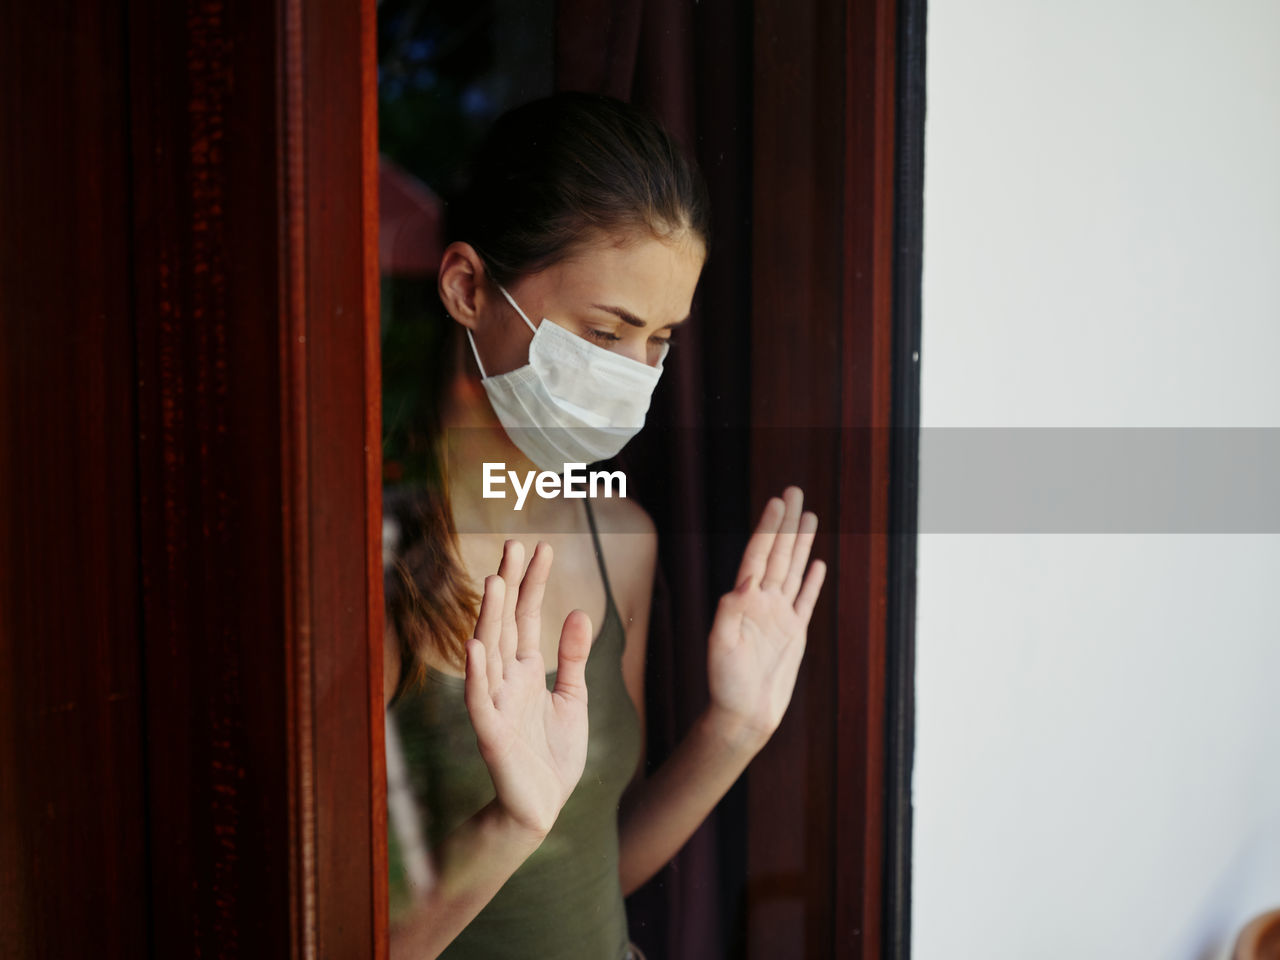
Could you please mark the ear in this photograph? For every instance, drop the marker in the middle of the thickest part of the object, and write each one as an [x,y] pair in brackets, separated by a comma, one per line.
[461,283]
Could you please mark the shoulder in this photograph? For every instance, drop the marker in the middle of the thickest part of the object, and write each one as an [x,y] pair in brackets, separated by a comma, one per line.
[629,540]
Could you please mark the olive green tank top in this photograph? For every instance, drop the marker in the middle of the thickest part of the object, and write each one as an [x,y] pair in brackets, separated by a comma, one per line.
[565,900]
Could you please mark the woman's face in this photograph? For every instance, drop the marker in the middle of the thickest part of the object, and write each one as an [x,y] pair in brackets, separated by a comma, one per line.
[628,298]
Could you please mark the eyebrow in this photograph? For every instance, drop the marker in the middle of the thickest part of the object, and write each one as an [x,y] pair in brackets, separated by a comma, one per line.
[626,316]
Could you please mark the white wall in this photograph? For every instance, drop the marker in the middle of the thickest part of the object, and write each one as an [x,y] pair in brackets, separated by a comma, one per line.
[1098,731]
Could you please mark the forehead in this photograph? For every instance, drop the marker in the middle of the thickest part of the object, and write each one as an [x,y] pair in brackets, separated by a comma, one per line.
[653,279]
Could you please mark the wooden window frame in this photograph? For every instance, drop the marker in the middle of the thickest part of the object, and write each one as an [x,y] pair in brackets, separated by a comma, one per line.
[254,131]
[192,730]
[220,328]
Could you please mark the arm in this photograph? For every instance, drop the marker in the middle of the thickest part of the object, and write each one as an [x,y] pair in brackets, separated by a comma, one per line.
[452,897]
[472,864]
[532,740]
[753,657]
[659,814]
[665,809]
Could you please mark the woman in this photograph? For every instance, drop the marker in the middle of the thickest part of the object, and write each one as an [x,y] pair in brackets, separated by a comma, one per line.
[579,244]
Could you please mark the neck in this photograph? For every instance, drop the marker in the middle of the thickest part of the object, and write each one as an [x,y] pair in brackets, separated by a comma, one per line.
[473,436]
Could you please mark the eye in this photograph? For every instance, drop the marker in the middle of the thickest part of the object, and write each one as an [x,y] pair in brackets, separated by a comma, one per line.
[661,340]
[604,336]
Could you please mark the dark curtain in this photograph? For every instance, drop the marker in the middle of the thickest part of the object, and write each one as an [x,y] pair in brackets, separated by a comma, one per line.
[690,65]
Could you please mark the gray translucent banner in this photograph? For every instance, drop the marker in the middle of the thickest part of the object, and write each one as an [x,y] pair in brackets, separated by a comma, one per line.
[971,479]
[1099,480]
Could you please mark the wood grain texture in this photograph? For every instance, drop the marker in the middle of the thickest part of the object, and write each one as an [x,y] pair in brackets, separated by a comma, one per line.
[866,415]
[375,608]
[260,445]
[211,479]
[73,859]
[334,360]
[190,605]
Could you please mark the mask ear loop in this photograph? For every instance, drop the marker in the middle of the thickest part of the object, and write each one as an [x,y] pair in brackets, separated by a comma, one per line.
[528,322]
[470,339]
[476,353]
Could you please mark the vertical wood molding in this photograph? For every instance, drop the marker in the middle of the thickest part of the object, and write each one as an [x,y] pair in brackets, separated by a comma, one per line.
[869,150]
[190,580]
[341,482]
[298,632]
[375,610]
[213,550]
[260,458]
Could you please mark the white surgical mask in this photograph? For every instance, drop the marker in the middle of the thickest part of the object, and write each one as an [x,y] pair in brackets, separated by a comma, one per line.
[573,402]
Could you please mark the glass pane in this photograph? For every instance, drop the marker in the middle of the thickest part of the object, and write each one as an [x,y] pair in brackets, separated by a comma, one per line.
[445,72]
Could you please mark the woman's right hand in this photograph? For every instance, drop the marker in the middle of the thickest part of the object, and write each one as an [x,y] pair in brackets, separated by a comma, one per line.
[534,741]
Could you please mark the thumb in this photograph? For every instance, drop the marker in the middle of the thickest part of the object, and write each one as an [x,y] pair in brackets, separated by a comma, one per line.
[575,647]
[731,609]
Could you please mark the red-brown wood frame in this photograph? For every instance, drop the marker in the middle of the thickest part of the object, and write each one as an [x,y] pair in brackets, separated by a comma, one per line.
[190,587]
[821,335]
[73,866]
[191,725]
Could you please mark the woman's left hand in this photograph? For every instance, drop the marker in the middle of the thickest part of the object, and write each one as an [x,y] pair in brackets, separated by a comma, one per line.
[758,636]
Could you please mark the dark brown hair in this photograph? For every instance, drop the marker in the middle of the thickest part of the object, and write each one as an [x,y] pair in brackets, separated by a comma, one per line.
[554,172]
[551,176]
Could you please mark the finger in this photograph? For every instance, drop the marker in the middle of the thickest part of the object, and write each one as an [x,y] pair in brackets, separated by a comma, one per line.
[575,647]
[476,691]
[529,606]
[809,590]
[785,541]
[510,570]
[757,552]
[800,554]
[489,629]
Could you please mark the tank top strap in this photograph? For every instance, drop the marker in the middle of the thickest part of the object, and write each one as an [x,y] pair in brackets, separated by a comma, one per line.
[595,540]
